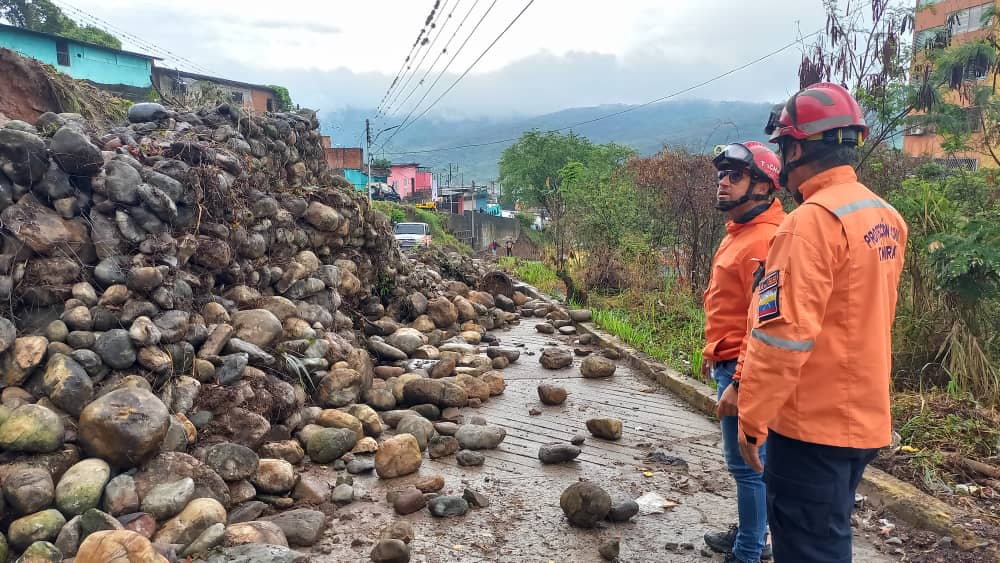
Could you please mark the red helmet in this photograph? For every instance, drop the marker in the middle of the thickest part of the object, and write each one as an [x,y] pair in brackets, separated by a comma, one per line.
[760,159]
[822,111]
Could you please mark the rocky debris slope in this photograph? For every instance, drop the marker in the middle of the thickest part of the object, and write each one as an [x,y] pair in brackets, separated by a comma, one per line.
[193,307]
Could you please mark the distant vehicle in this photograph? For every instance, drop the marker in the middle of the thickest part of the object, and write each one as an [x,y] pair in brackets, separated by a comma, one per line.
[383,192]
[432,205]
[412,235]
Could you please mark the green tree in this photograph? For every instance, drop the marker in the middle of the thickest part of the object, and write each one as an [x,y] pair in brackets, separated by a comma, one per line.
[284,98]
[529,169]
[46,17]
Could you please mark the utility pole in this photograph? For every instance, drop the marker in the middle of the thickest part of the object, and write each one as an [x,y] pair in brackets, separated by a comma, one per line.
[368,140]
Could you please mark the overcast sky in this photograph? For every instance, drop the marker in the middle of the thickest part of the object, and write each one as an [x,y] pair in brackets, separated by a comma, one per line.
[560,54]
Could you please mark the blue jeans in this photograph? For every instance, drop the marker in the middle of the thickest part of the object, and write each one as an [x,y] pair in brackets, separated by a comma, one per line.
[751,495]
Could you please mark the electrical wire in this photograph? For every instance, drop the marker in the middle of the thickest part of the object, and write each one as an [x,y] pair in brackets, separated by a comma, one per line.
[785,47]
[440,31]
[406,122]
[444,50]
[409,57]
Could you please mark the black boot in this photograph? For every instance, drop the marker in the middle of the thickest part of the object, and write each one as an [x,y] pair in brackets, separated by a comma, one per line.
[722,542]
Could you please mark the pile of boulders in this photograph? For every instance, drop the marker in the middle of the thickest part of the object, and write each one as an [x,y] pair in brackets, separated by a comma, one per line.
[193,307]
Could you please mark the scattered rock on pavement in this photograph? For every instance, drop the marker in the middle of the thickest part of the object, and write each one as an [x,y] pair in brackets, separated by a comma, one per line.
[551,394]
[448,505]
[557,453]
[596,367]
[610,549]
[585,504]
[607,428]
[398,456]
[390,551]
[623,511]
[556,358]
[469,458]
[475,437]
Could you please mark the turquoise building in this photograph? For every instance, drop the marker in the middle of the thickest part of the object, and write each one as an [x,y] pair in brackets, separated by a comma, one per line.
[357,178]
[80,60]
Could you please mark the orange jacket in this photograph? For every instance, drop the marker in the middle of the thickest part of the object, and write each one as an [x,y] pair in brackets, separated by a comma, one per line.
[817,362]
[728,295]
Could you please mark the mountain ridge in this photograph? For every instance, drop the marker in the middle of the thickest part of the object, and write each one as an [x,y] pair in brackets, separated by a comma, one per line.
[696,124]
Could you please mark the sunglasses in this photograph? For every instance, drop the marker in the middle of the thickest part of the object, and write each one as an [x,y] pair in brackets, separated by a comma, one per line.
[733,175]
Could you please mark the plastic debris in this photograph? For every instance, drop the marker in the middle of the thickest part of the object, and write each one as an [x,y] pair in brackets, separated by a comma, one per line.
[654,503]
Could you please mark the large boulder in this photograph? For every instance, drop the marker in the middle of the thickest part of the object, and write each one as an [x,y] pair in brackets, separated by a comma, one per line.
[339,387]
[436,392]
[40,526]
[174,466]
[327,445]
[233,462]
[556,358]
[407,340]
[442,312]
[117,546]
[23,156]
[302,527]
[585,504]
[32,429]
[42,229]
[475,437]
[257,326]
[398,456]
[607,428]
[196,517]
[595,366]
[67,384]
[75,153]
[124,427]
[80,489]
[28,490]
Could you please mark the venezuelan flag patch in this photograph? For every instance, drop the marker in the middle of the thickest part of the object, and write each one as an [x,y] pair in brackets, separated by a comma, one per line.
[767,301]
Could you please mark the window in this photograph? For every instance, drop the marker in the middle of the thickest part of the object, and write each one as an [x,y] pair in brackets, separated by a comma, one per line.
[238,97]
[977,69]
[270,104]
[969,19]
[925,3]
[973,119]
[62,52]
[932,38]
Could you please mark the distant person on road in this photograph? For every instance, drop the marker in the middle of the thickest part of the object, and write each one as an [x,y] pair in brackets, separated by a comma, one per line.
[493,247]
[815,373]
[748,179]
[510,248]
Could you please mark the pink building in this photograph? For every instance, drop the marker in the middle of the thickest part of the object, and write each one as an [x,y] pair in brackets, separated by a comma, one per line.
[411,181]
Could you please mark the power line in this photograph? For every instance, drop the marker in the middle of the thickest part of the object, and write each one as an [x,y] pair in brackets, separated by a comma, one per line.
[409,56]
[142,43]
[405,123]
[792,43]
[443,51]
[440,31]
[631,108]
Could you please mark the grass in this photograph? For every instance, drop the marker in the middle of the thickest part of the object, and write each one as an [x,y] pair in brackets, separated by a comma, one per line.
[442,238]
[667,325]
[535,273]
[935,424]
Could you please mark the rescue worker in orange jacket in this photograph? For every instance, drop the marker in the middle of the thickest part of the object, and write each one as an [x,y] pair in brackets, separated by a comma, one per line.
[814,379]
[748,178]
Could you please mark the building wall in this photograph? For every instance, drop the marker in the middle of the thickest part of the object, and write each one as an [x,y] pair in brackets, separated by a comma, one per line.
[403,178]
[103,66]
[931,14]
[485,228]
[259,101]
[345,157]
[358,178]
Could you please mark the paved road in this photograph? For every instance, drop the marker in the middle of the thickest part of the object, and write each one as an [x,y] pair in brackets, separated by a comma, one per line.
[524,521]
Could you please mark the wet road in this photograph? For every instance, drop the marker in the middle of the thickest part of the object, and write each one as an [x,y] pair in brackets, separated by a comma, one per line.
[524,521]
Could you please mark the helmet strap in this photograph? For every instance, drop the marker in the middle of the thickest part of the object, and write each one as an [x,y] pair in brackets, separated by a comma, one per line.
[749,196]
[753,213]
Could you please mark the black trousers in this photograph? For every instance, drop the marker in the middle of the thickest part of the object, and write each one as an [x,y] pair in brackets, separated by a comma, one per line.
[810,496]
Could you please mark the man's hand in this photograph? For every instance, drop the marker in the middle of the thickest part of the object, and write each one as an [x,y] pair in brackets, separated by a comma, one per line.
[706,370]
[727,403]
[750,453]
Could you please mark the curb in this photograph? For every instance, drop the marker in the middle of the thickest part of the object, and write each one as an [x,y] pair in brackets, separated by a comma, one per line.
[906,502]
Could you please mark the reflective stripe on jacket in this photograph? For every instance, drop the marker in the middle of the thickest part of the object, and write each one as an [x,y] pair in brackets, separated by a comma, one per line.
[727,297]
[818,358]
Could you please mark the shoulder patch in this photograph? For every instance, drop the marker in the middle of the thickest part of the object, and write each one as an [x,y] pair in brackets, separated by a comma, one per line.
[767,300]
